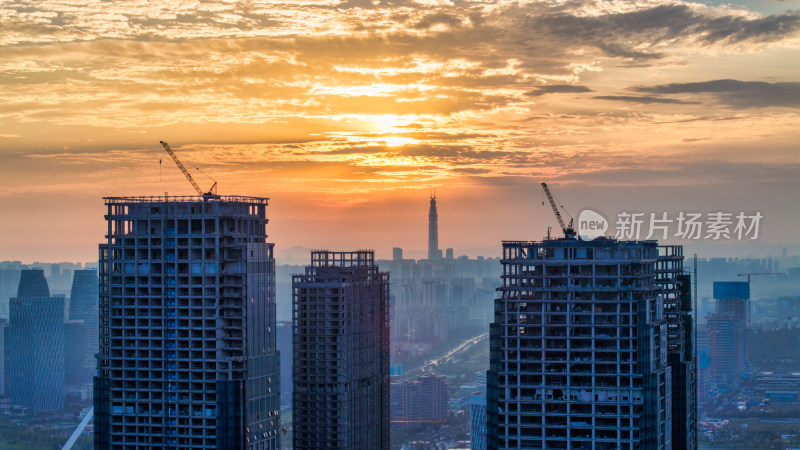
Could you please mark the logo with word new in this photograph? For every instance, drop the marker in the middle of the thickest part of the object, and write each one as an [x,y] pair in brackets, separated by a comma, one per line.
[591,224]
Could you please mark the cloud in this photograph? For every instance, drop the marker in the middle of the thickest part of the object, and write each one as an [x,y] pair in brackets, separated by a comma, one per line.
[735,93]
[696,172]
[732,29]
[637,34]
[457,152]
[557,89]
[471,170]
[458,81]
[439,18]
[643,99]
[360,150]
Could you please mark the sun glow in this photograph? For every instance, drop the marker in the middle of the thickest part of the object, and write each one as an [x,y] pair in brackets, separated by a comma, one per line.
[397,141]
[387,123]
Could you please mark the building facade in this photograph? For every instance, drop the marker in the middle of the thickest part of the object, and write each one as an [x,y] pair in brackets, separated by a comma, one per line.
[433,231]
[676,290]
[729,328]
[341,353]
[284,341]
[82,329]
[3,356]
[579,348]
[35,346]
[424,400]
[187,354]
[477,421]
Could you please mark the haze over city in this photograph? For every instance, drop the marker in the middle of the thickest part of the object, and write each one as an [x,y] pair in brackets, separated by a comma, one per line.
[349,114]
[399,224]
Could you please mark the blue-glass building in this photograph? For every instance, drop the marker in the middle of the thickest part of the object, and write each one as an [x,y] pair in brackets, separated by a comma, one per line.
[35,346]
[477,421]
[82,328]
[3,355]
[188,357]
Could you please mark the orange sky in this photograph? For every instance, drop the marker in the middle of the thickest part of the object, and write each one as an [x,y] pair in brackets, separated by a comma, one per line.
[347,115]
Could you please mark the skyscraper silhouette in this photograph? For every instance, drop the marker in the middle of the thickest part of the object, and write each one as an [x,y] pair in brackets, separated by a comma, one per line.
[433,231]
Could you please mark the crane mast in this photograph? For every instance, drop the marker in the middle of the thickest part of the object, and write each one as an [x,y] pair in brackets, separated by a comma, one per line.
[211,192]
[569,231]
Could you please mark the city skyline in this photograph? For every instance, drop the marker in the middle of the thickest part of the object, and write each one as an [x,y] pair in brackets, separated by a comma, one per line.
[437,149]
[726,247]
[347,113]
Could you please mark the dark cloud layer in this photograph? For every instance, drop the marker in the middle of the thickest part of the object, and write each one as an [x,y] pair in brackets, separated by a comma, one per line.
[643,99]
[558,89]
[735,93]
[636,34]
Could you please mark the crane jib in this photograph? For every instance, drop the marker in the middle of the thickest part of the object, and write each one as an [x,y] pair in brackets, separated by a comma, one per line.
[186,173]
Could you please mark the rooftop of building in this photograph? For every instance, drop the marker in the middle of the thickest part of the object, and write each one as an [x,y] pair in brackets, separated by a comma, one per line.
[32,283]
[564,242]
[187,199]
[327,258]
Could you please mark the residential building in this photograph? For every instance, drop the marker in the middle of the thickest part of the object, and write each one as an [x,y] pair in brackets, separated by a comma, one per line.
[341,353]
[424,400]
[187,353]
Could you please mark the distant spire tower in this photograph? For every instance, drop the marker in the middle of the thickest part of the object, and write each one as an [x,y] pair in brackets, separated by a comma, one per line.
[433,231]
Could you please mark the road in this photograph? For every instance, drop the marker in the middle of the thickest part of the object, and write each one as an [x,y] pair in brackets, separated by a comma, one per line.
[77,433]
[461,347]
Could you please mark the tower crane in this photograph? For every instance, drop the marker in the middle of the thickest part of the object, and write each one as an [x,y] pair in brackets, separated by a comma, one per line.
[569,230]
[748,275]
[211,192]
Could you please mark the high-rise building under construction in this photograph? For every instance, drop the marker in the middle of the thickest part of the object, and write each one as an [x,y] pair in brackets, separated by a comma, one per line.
[675,288]
[340,372]
[729,327]
[187,355]
[583,345]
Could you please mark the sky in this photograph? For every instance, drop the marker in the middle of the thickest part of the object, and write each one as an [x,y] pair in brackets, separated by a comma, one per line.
[348,115]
